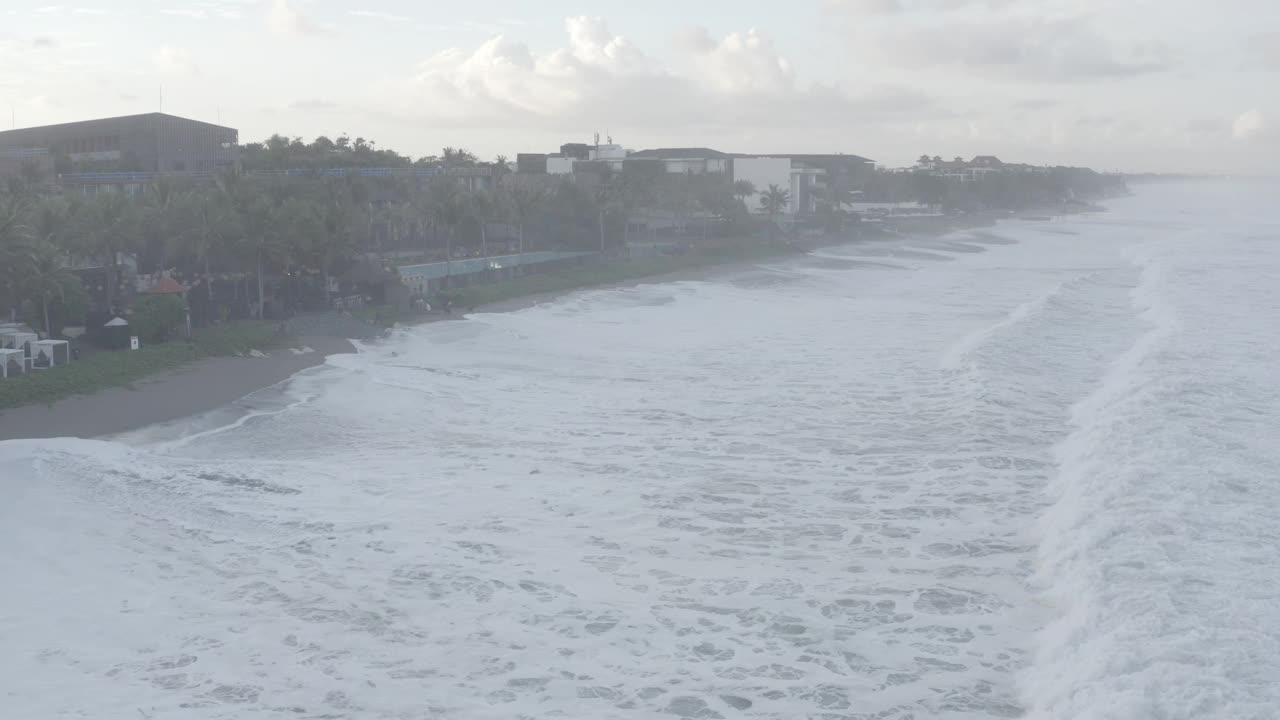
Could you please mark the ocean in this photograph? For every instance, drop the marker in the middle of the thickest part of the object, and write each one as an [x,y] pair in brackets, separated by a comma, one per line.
[1026,471]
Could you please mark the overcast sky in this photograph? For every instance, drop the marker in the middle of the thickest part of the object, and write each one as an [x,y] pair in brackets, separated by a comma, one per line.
[1162,85]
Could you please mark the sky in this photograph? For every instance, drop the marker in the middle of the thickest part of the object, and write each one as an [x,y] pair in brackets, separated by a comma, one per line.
[1130,85]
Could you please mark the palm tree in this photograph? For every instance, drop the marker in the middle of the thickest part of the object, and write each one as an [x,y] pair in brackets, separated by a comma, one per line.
[452,157]
[257,231]
[524,194]
[206,221]
[774,201]
[476,207]
[608,196]
[446,209]
[158,220]
[743,189]
[111,226]
[17,251]
[47,277]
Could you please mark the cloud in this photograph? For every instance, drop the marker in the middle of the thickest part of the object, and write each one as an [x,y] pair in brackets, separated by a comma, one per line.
[194,13]
[742,63]
[379,15]
[1035,104]
[600,79]
[284,19]
[1250,125]
[1264,51]
[174,61]
[1205,125]
[1025,47]
[315,106]
[894,7]
[43,41]
[862,7]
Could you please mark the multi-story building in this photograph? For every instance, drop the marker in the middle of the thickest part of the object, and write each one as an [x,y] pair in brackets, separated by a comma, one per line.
[33,165]
[149,143]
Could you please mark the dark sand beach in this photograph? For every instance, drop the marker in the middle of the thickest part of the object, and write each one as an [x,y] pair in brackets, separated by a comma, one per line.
[196,388]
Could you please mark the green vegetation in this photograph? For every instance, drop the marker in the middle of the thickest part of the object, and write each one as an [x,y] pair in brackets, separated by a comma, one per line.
[603,274]
[260,238]
[158,317]
[100,370]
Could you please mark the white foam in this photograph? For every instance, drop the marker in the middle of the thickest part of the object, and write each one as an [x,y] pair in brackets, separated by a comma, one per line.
[723,498]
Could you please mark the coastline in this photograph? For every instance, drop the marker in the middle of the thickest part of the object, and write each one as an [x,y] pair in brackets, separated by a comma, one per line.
[215,382]
[199,387]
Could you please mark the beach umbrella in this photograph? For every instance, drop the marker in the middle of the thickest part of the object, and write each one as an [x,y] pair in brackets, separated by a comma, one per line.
[116,333]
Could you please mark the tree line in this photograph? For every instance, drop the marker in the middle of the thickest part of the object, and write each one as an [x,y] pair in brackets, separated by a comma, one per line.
[247,234]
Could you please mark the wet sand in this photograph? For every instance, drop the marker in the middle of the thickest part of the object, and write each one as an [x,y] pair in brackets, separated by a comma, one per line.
[212,383]
[196,388]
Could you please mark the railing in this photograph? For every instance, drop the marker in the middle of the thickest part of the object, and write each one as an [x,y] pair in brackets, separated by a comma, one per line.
[24,153]
[124,178]
[348,172]
[471,266]
[129,178]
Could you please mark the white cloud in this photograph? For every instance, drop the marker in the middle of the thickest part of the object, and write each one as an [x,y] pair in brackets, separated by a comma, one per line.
[1021,46]
[284,19]
[174,61]
[1249,125]
[195,13]
[379,15]
[1264,51]
[602,79]
[741,63]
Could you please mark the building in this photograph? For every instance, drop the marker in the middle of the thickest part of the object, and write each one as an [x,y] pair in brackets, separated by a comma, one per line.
[688,161]
[531,163]
[149,143]
[612,155]
[762,172]
[33,165]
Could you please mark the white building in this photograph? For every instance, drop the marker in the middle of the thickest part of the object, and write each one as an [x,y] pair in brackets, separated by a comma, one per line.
[762,172]
[614,155]
[803,182]
[560,165]
[687,161]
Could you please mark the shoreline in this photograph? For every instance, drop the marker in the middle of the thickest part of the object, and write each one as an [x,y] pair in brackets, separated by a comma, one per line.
[190,390]
[215,382]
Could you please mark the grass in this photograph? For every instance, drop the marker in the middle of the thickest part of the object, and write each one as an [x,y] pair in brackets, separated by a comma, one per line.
[100,370]
[594,275]
[385,316]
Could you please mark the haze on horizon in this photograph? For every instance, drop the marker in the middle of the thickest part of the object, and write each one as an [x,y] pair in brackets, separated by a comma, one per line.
[1145,85]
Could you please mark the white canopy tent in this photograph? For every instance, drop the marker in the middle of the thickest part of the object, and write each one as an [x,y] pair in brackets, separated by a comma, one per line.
[12,356]
[53,352]
[19,339]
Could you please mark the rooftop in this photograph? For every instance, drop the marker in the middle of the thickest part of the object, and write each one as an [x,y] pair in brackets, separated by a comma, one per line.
[679,153]
[119,118]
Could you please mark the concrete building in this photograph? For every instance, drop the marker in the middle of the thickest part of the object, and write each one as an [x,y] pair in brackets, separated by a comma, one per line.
[560,165]
[691,161]
[149,143]
[612,155]
[531,163]
[762,172]
[30,164]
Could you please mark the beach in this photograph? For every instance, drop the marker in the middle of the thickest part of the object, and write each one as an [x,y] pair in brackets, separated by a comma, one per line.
[928,477]
[202,386]
[215,382]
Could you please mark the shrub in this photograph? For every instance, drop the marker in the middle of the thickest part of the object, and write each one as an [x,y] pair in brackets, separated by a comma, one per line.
[155,318]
